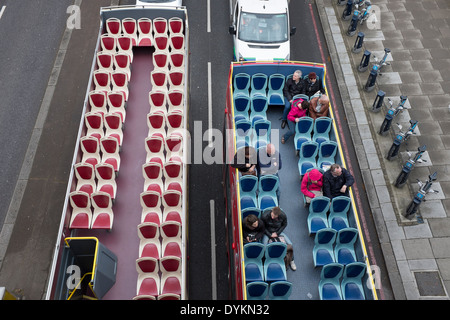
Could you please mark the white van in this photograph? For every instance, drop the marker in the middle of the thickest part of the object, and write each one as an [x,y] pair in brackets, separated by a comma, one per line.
[260,29]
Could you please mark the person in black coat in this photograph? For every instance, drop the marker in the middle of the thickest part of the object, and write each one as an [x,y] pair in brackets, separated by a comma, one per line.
[312,85]
[246,161]
[252,229]
[292,87]
[336,181]
[275,221]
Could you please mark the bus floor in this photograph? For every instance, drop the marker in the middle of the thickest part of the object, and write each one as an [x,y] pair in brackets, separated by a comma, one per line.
[306,278]
[123,239]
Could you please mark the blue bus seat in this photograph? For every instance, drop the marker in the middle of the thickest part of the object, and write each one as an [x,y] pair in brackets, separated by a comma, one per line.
[327,154]
[258,85]
[274,266]
[243,130]
[258,108]
[322,128]
[251,210]
[241,105]
[261,130]
[267,188]
[338,218]
[323,247]
[317,216]
[303,130]
[307,156]
[257,290]
[241,84]
[275,89]
[280,290]
[344,251]
[351,285]
[329,285]
[253,254]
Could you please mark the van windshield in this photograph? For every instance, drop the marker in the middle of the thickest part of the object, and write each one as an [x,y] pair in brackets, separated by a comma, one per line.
[263,28]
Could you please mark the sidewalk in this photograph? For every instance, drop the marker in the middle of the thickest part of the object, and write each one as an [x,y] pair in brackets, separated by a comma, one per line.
[417,255]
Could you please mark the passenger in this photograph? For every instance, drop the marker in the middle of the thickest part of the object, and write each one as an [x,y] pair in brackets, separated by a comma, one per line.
[312,183]
[300,109]
[318,107]
[246,160]
[269,160]
[252,229]
[275,221]
[312,85]
[292,87]
[336,181]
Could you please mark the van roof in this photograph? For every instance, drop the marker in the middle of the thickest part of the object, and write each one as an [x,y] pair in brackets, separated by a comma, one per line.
[264,6]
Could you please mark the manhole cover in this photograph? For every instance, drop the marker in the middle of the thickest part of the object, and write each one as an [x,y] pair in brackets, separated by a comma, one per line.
[429,283]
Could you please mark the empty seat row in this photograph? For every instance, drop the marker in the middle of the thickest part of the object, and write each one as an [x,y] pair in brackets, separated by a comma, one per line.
[104,125]
[158,279]
[250,108]
[162,79]
[116,81]
[84,216]
[105,151]
[111,44]
[162,150]
[143,29]
[260,193]
[277,290]
[260,84]
[161,178]
[332,246]
[119,61]
[166,101]
[265,262]
[326,213]
[159,208]
[248,134]
[92,179]
[107,103]
[314,155]
[165,60]
[165,124]
[342,282]
[308,129]
[270,87]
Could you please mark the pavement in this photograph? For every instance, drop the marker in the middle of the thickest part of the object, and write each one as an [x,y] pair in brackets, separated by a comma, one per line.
[417,253]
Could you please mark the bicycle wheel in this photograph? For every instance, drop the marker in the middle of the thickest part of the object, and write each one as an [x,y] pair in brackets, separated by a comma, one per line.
[412,209]
[393,151]
[401,179]
[385,126]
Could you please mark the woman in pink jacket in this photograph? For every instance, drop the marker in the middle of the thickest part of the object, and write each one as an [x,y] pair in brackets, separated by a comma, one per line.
[312,185]
[299,109]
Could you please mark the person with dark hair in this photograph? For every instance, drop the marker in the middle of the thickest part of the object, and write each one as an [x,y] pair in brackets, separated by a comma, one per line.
[246,160]
[312,85]
[299,109]
[252,229]
[336,181]
[275,221]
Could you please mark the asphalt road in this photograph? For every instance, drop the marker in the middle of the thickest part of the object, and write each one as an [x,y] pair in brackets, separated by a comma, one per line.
[27,49]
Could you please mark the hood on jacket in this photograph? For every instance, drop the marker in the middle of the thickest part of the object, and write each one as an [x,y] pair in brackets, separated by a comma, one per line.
[315,175]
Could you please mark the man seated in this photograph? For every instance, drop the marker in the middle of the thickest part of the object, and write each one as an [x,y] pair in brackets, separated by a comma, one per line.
[336,181]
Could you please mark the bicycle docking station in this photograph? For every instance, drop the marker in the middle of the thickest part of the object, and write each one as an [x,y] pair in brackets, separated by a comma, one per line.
[378,102]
